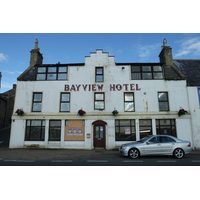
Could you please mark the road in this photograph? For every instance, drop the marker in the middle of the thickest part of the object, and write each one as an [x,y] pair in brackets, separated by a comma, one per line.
[107,160]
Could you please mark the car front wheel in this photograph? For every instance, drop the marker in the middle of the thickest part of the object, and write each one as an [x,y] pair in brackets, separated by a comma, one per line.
[134,153]
[178,153]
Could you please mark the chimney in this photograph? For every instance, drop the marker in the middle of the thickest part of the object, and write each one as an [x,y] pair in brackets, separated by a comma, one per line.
[36,57]
[166,54]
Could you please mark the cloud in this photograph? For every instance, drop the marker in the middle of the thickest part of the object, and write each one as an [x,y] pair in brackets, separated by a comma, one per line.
[147,50]
[3,57]
[189,46]
[12,72]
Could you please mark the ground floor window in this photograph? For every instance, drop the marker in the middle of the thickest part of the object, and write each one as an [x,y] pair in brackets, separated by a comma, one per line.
[54,130]
[145,127]
[166,127]
[35,130]
[125,130]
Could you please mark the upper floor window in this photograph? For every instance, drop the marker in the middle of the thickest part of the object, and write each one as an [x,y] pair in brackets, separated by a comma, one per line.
[163,101]
[146,72]
[99,77]
[129,102]
[65,102]
[37,102]
[51,73]
[99,101]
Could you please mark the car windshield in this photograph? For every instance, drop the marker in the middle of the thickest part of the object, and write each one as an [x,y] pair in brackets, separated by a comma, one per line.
[145,139]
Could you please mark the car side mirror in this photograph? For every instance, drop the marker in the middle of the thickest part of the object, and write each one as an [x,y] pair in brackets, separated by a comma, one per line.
[147,143]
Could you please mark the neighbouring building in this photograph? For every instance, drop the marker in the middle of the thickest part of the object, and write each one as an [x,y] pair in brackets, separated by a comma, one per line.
[123,102]
[7,100]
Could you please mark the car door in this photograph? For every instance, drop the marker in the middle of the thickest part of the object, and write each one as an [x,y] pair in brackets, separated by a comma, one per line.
[167,145]
[153,146]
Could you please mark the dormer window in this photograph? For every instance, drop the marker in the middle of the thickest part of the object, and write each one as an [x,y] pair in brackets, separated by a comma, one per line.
[51,73]
[146,72]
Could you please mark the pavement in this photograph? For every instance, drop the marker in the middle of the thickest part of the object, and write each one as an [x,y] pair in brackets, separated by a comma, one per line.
[52,154]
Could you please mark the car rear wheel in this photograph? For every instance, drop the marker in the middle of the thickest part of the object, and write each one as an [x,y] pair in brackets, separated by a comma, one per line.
[134,153]
[178,153]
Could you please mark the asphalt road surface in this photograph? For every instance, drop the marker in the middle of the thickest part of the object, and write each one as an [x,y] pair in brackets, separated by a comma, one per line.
[107,160]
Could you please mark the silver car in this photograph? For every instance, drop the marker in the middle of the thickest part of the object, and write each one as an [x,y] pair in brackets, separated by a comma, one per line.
[156,145]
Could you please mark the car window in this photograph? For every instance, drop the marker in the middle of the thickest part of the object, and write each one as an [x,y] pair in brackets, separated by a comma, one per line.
[166,139]
[155,139]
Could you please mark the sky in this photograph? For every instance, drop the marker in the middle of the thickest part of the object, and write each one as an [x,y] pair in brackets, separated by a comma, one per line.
[73,47]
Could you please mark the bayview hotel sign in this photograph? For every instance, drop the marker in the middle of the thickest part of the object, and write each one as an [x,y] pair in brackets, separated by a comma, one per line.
[101,87]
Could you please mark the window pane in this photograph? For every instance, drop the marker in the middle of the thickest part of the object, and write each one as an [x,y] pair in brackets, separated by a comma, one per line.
[99,78]
[37,97]
[145,122]
[99,96]
[52,69]
[157,75]
[129,106]
[36,123]
[62,69]
[128,96]
[162,96]
[41,76]
[124,122]
[163,106]
[55,123]
[99,70]
[37,107]
[147,75]
[64,107]
[135,68]
[164,121]
[99,105]
[51,76]
[136,76]
[41,69]
[65,97]
[146,68]
[157,68]
[62,76]
[28,122]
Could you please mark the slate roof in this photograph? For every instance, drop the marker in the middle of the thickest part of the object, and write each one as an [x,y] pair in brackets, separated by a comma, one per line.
[191,69]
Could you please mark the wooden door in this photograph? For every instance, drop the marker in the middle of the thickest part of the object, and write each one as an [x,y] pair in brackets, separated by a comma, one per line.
[99,134]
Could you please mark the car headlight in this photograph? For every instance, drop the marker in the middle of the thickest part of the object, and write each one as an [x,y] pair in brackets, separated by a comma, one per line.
[123,147]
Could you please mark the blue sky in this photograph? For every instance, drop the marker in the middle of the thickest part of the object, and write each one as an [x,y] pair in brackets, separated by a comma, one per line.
[73,47]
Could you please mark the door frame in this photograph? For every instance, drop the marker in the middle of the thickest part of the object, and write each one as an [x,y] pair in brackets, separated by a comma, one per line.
[99,123]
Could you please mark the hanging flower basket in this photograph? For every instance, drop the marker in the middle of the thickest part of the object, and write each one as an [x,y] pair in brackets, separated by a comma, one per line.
[181,112]
[81,112]
[20,112]
[115,112]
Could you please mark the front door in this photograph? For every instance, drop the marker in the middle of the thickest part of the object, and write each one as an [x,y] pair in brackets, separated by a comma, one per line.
[99,134]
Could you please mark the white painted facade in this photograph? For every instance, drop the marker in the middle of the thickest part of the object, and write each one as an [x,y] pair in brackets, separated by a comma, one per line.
[194,102]
[81,85]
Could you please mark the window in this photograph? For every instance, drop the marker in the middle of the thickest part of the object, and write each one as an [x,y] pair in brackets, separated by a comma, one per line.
[145,127]
[198,91]
[99,74]
[54,130]
[52,73]
[166,127]
[141,72]
[125,130]
[37,102]
[65,102]
[163,101]
[99,101]
[129,102]
[35,130]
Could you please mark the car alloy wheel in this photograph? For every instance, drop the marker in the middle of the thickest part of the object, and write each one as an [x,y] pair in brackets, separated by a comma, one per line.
[178,153]
[133,153]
